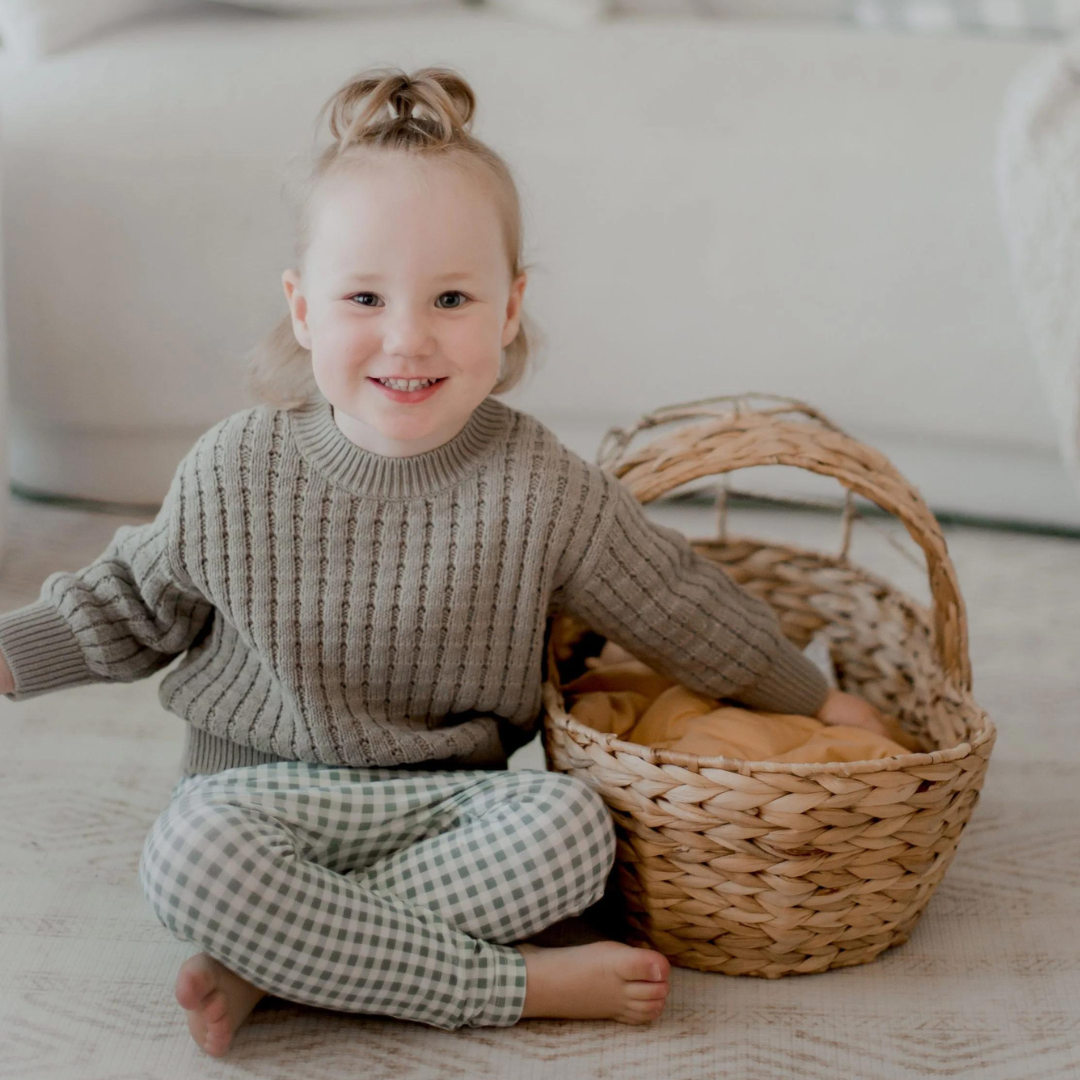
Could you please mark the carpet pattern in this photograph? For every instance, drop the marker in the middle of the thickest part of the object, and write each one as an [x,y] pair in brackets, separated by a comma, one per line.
[988,985]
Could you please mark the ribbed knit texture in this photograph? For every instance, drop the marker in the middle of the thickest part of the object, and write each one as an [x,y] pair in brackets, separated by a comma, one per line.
[339,606]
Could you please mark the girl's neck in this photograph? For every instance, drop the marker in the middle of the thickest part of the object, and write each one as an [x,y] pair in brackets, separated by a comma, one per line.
[374,442]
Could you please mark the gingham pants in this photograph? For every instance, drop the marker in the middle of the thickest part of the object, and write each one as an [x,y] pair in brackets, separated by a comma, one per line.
[378,890]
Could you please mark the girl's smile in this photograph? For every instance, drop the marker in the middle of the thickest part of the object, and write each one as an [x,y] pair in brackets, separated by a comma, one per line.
[407,397]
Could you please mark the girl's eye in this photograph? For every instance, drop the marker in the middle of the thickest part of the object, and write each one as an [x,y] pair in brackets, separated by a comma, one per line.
[453,292]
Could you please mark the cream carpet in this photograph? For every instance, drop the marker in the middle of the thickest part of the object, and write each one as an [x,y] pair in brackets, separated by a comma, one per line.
[988,985]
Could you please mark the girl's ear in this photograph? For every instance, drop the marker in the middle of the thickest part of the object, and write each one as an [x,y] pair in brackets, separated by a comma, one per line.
[290,281]
[513,308]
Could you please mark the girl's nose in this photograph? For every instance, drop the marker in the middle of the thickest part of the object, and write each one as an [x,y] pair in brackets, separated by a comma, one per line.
[406,334]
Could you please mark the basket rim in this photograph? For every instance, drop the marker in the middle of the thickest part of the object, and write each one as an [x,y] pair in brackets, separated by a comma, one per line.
[656,755]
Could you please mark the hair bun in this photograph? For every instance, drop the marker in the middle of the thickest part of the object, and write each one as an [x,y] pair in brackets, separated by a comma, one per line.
[379,104]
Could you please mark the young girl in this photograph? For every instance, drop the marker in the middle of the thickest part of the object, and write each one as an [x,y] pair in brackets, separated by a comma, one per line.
[358,574]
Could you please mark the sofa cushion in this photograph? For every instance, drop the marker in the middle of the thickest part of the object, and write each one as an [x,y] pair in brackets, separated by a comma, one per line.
[1020,17]
[31,29]
[980,16]
[567,13]
[382,7]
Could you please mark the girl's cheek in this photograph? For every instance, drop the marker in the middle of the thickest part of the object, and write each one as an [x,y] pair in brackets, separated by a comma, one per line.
[348,335]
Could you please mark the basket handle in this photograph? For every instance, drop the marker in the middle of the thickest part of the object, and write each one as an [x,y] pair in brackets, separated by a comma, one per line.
[736,434]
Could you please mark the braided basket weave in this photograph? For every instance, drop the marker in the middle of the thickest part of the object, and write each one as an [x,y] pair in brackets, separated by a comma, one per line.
[765,868]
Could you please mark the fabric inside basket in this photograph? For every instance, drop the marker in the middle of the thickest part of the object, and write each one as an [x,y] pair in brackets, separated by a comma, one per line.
[624,696]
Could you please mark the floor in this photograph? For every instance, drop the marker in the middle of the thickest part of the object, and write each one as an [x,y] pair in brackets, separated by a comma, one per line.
[988,985]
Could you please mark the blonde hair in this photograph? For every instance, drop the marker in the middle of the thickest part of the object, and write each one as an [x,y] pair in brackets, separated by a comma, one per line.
[383,110]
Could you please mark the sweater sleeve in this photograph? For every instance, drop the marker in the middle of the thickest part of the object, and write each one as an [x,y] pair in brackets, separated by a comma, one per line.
[123,617]
[644,586]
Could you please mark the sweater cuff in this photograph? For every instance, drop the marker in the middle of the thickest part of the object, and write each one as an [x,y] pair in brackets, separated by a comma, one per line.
[42,651]
[792,684]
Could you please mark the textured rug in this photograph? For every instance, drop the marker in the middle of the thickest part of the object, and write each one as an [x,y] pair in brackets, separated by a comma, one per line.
[988,985]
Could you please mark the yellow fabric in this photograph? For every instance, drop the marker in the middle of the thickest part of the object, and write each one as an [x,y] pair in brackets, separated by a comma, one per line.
[624,696]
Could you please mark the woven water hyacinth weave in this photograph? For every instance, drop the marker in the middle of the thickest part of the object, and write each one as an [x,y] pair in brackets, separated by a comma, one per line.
[776,868]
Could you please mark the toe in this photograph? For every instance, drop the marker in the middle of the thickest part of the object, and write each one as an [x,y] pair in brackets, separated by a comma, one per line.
[646,991]
[216,1008]
[218,1037]
[217,1045]
[192,987]
[642,1012]
[640,964]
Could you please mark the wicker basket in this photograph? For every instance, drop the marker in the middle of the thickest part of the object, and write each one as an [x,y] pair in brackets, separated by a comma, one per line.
[770,869]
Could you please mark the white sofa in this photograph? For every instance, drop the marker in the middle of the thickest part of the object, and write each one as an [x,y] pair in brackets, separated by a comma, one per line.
[714,206]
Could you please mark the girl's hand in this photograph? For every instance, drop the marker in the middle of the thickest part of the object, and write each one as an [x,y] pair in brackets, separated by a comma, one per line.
[841,708]
[7,680]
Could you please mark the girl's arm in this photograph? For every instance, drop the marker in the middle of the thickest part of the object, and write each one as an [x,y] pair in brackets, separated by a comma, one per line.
[123,617]
[643,585]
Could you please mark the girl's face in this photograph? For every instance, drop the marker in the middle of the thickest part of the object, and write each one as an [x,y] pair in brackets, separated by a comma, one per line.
[406,277]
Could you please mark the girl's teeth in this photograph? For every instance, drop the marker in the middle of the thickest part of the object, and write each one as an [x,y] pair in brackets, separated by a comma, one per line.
[406,384]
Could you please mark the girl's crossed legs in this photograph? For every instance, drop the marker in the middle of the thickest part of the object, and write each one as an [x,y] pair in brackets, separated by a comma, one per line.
[390,891]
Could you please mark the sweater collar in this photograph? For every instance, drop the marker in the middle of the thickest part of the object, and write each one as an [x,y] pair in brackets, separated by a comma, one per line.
[365,472]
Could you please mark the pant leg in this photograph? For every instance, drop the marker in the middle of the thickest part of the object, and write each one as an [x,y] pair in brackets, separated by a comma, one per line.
[527,848]
[286,872]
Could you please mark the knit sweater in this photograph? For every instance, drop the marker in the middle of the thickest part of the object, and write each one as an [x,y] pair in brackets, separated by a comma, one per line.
[335,605]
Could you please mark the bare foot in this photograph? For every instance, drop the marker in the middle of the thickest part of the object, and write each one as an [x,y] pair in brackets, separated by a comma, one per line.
[604,980]
[217,1001]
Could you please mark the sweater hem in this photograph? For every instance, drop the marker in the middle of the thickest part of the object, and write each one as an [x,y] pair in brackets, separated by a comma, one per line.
[205,753]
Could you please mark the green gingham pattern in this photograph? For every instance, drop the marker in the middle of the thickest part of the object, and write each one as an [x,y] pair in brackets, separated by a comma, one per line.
[378,890]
